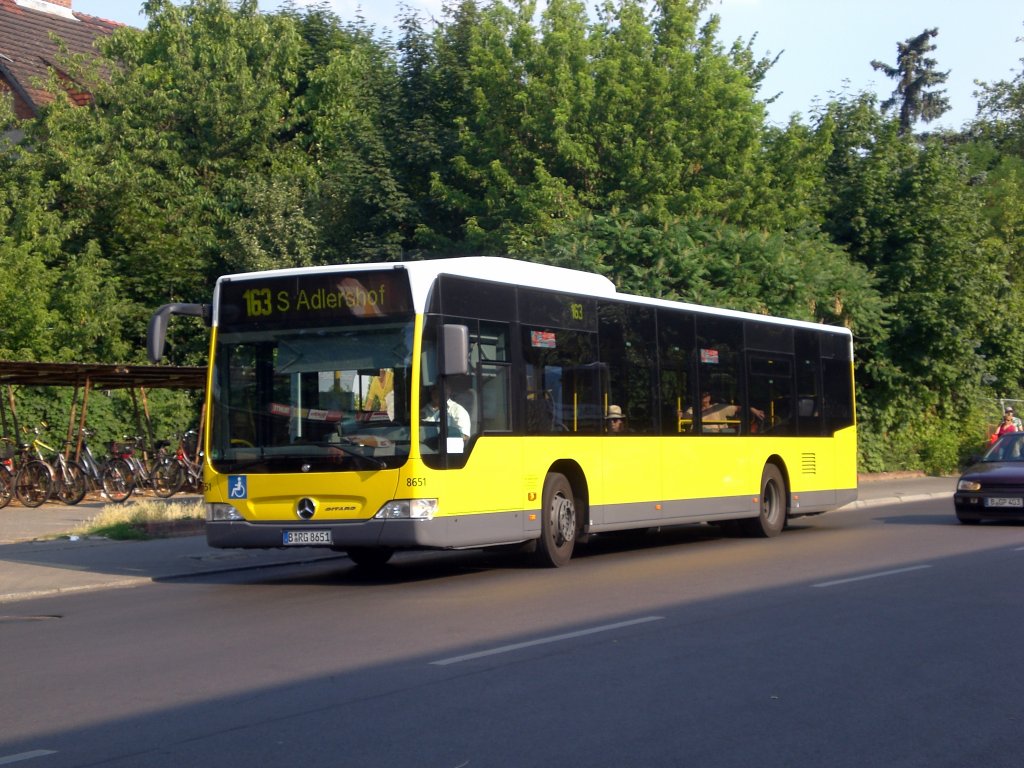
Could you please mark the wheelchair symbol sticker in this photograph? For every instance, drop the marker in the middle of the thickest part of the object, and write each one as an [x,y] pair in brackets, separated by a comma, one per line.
[238,488]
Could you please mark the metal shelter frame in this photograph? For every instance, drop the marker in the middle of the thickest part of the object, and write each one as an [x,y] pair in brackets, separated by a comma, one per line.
[85,377]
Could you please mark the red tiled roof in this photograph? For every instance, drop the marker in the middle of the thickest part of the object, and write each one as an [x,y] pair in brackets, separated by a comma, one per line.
[27,54]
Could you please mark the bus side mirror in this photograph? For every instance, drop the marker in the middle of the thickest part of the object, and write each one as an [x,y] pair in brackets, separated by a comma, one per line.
[156,334]
[456,350]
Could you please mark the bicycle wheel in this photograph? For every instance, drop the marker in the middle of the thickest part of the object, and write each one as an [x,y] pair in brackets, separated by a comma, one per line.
[118,480]
[33,484]
[167,476]
[194,478]
[6,486]
[70,485]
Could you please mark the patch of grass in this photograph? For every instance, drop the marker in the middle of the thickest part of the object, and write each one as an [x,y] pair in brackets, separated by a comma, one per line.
[117,531]
[136,519]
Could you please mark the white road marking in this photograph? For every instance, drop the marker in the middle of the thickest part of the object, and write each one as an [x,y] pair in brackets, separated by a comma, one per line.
[866,576]
[21,756]
[544,641]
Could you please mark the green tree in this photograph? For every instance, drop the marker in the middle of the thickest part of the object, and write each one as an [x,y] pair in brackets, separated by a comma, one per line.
[1001,112]
[916,78]
[910,213]
[350,108]
[185,166]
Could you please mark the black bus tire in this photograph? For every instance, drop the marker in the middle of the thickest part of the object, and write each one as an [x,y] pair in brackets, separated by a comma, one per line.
[772,517]
[559,522]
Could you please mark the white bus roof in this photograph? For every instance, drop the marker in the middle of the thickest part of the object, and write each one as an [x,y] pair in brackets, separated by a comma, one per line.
[423,274]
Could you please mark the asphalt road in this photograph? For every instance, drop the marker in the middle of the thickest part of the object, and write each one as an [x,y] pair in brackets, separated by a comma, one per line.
[884,635]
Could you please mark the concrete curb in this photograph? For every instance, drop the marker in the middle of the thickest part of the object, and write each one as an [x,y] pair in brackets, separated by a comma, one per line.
[134,581]
[881,502]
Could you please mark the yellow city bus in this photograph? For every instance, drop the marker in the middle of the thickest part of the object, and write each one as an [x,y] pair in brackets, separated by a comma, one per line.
[466,403]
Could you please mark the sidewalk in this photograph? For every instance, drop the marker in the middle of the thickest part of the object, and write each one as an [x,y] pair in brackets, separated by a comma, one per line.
[875,490]
[34,564]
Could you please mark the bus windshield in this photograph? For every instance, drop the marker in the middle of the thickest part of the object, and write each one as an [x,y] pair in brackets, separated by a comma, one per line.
[312,399]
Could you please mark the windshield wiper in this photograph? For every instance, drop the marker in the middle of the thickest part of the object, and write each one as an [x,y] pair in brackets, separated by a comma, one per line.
[349,450]
[237,465]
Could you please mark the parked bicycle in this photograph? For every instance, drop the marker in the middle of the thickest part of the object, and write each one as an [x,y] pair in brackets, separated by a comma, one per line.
[192,459]
[33,478]
[6,473]
[38,478]
[186,472]
[91,467]
[126,473]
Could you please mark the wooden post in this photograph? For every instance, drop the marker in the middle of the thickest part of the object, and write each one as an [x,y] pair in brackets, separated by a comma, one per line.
[71,423]
[14,412]
[150,442]
[81,421]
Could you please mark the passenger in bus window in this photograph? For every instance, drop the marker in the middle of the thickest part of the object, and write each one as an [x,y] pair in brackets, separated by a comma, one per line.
[615,419]
[721,417]
[381,385]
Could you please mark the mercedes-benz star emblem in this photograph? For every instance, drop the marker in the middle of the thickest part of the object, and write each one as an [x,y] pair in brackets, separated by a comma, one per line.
[306,508]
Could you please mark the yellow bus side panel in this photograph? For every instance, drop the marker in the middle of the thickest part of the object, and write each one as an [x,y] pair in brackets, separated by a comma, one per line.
[506,474]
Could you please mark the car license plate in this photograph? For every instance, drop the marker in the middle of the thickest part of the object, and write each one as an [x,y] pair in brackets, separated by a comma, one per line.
[999,501]
[307,538]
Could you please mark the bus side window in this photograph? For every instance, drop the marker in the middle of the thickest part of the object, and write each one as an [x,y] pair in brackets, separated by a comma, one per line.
[808,384]
[628,346]
[563,382]
[719,345]
[770,388]
[675,358]
[492,368]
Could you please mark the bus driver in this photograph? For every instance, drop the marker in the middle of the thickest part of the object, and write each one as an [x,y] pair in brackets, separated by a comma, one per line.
[458,417]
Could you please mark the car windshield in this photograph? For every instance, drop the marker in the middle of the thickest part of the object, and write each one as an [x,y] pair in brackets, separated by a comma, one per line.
[315,399]
[1009,447]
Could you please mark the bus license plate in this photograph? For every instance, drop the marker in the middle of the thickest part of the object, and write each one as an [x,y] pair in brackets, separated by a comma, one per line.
[307,538]
[998,501]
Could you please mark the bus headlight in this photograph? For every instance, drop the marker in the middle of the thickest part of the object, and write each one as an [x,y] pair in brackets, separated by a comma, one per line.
[968,485]
[219,513]
[408,509]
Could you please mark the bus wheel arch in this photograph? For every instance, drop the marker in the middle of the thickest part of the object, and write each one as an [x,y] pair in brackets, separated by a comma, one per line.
[564,503]
[774,505]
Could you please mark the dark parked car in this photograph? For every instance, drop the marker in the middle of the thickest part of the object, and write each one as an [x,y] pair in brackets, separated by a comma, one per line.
[993,488]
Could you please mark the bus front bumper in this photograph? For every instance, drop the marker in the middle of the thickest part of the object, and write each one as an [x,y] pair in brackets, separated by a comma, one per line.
[460,532]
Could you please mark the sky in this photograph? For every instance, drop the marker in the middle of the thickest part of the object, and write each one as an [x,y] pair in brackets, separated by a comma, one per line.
[826,45]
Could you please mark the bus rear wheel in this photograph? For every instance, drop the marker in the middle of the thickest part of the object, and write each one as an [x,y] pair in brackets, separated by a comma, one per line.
[772,518]
[559,522]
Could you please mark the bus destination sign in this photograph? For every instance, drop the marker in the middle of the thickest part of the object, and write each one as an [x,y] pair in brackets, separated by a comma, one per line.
[312,298]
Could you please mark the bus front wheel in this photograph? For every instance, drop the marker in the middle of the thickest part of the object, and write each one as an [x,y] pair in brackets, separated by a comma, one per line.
[772,518]
[559,522]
